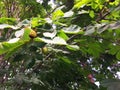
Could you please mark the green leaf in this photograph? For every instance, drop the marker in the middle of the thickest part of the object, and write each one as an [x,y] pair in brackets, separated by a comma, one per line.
[118,55]
[63,35]
[73,47]
[25,36]
[24,23]
[73,29]
[57,14]
[92,14]
[12,51]
[13,45]
[66,60]
[51,35]
[114,49]
[19,33]
[111,84]
[3,26]
[81,3]
[6,46]
[5,20]
[37,21]
[56,40]
[95,49]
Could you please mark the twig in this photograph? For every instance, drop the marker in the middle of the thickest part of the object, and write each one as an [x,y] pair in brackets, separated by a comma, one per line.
[106,14]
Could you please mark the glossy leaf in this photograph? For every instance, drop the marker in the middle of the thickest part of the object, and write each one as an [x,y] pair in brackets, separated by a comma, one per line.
[73,29]
[56,40]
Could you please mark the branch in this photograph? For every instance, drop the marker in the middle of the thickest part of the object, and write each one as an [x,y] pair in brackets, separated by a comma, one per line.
[106,14]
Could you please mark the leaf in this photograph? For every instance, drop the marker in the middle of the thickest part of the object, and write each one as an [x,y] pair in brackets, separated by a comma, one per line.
[92,14]
[5,46]
[13,40]
[48,20]
[3,26]
[59,23]
[95,49]
[81,3]
[58,50]
[37,21]
[51,35]
[26,34]
[89,30]
[73,29]
[118,55]
[114,49]
[12,51]
[19,33]
[56,40]
[99,28]
[63,35]
[5,20]
[115,25]
[14,44]
[68,14]
[73,47]
[66,60]
[57,14]
[24,23]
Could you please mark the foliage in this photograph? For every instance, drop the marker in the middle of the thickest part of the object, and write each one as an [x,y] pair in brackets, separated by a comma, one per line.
[68,47]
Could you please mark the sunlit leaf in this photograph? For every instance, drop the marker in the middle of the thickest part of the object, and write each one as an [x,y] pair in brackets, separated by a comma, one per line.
[19,33]
[6,46]
[73,29]
[91,13]
[37,21]
[24,23]
[68,14]
[51,35]
[57,14]
[13,40]
[73,47]
[63,35]
[26,34]
[3,26]
[56,40]
[81,3]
